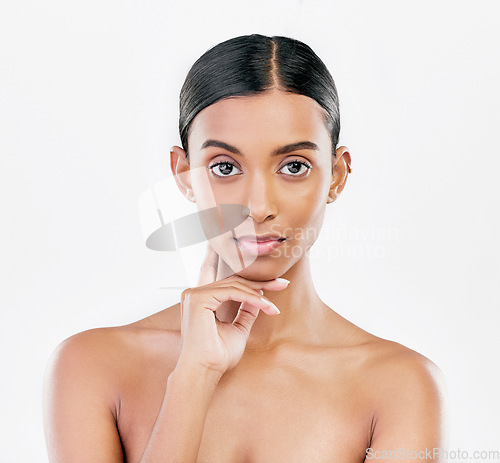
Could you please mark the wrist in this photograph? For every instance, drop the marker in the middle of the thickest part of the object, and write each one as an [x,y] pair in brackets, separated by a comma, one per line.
[193,370]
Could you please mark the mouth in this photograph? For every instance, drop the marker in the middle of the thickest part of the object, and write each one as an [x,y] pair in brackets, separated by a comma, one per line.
[259,245]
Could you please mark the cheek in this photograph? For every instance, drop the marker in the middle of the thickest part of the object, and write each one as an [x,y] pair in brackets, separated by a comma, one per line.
[305,204]
[204,191]
[303,213]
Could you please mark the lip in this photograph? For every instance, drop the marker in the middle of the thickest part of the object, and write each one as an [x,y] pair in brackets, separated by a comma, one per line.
[265,237]
[259,244]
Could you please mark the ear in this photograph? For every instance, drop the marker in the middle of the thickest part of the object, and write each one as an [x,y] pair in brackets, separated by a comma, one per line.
[179,164]
[340,171]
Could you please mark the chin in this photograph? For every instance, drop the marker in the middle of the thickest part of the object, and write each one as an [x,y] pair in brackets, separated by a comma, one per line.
[265,269]
[259,275]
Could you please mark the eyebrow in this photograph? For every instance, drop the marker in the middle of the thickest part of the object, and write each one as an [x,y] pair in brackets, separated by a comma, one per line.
[301,145]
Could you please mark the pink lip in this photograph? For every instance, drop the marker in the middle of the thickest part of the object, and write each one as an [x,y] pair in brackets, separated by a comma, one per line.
[258,246]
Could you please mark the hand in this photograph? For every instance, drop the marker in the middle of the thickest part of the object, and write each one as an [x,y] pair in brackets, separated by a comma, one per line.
[209,342]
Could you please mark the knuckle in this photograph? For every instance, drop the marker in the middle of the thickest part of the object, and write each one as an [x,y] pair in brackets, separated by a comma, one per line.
[241,284]
[235,284]
[235,278]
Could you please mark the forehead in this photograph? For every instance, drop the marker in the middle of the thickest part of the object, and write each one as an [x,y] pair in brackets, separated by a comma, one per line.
[270,118]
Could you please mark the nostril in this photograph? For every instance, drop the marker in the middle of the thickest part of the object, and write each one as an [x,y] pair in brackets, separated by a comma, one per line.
[256,217]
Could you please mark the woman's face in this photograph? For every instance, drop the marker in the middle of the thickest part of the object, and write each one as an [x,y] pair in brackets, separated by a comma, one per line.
[271,153]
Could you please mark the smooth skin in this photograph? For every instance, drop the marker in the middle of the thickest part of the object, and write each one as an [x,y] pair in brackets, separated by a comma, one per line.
[222,377]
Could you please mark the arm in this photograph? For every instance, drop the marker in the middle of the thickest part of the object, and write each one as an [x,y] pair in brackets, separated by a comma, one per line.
[79,412]
[410,421]
[182,415]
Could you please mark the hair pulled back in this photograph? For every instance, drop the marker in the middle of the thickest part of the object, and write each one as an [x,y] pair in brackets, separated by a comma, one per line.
[253,64]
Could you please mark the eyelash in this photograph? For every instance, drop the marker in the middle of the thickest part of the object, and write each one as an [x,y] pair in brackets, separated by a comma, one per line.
[301,162]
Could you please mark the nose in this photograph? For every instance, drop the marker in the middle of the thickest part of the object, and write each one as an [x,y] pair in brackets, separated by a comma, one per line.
[261,199]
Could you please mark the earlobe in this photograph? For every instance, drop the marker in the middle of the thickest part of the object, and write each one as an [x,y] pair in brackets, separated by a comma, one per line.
[190,195]
[179,164]
[332,195]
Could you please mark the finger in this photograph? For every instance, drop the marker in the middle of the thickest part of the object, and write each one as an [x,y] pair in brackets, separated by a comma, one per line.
[245,318]
[209,266]
[253,287]
[271,285]
[260,292]
[218,295]
[276,285]
[233,283]
[240,285]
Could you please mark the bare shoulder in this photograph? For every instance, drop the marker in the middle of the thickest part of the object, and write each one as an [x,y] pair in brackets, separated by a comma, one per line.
[381,360]
[86,378]
[407,393]
[406,397]
[384,369]
[391,365]
[93,343]
[99,359]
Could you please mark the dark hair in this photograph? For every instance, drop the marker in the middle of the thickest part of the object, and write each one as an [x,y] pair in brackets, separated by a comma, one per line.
[253,64]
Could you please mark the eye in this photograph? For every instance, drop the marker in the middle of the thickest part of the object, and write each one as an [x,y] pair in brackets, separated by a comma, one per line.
[224,168]
[296,168]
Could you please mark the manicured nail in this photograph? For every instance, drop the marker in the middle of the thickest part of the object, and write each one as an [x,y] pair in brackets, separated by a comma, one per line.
[271,305]
[283,280]
[261,292]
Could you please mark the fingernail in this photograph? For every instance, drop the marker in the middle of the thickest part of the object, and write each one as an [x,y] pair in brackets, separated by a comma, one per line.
[269,303]
[283,280]
[261,292]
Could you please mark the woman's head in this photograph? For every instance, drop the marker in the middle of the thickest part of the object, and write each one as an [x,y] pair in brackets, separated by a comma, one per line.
[252,64]
[259,124]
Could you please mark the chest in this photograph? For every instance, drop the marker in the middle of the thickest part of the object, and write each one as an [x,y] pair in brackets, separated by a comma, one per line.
[289,424]
[263,416]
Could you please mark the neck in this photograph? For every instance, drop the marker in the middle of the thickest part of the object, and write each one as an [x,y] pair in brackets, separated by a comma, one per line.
[302,314]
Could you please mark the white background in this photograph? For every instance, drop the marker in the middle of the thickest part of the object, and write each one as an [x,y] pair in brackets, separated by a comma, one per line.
[88,112]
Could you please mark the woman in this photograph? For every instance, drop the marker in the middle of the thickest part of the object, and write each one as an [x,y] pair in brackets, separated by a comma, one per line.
[251,365]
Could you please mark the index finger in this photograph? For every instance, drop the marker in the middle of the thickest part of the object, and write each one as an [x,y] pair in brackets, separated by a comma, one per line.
[209,266]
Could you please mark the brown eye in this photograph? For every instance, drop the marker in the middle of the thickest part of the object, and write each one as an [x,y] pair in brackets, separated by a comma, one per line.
[296,168]
[224,169]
